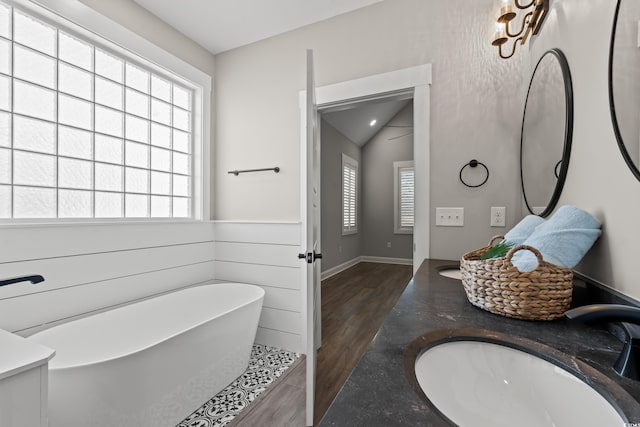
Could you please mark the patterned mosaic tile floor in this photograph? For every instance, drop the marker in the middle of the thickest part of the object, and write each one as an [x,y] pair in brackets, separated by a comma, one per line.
[265,366]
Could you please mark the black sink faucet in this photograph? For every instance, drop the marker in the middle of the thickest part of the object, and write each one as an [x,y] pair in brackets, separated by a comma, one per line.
[33,279]
[628,363]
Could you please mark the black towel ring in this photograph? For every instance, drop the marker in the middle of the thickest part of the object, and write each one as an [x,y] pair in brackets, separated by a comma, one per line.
[555,170]
[474,163]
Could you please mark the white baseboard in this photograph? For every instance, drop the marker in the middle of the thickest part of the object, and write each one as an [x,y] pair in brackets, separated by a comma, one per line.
[384,260]
[345,265]
[339,268]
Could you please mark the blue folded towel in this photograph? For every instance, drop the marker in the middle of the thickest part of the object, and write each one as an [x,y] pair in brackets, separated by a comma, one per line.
[562,240]
[568,216]
[522,230]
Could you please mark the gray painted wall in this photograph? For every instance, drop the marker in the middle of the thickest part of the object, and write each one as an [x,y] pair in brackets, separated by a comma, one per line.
[378,155]
[598,179]
[476,109]
[375,198]
[626,84]
[336,248]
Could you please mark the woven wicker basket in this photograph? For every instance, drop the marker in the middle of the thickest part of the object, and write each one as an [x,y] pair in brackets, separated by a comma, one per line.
[496,285]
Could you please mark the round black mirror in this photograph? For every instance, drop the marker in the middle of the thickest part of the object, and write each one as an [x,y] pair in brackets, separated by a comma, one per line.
[547,129]
[624,86]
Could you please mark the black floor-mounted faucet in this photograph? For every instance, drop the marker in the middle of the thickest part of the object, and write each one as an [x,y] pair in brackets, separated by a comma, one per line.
[33,279]
[628,363]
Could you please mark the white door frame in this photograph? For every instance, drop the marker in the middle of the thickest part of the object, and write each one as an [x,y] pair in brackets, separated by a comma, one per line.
[417,79]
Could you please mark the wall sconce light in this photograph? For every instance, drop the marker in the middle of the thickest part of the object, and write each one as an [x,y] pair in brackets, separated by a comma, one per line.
[531,23]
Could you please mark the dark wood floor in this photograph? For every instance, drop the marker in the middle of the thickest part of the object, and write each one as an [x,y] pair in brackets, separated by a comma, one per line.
[355,302]
[354,305]
[281,405]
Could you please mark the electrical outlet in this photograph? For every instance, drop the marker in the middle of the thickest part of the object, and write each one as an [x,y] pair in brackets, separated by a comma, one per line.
[498,216]
[450,217]
[388,244]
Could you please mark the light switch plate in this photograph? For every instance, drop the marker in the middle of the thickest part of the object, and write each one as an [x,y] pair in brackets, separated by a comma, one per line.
[450,217]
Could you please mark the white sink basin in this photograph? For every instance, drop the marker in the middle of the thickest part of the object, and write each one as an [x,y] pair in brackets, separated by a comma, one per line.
[452,273]
[475,383]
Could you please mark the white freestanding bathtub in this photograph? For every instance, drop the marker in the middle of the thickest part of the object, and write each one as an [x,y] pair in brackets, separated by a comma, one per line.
[154,362]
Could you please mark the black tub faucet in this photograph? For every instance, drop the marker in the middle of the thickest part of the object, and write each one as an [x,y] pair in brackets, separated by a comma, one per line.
[33,279]
[628,363]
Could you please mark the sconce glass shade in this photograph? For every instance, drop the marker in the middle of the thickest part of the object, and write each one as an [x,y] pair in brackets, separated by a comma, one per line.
[500,35]
[499,40]
[506,14]
[531,22]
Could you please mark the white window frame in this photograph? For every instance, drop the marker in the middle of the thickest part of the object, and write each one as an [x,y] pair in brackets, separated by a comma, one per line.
[80,20]
[348,162]
[397,193]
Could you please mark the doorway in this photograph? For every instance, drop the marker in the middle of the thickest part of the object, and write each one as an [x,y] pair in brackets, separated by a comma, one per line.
[367,183]
[415,81]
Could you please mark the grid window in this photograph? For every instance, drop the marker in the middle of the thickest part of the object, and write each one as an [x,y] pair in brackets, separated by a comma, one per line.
[5,21]
[86,133]
[349,195]
[404,184]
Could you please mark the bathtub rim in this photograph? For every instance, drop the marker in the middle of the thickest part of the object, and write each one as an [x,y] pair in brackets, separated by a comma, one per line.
[165,338]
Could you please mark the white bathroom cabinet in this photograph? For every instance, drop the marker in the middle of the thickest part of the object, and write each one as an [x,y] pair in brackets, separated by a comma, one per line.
[23,381]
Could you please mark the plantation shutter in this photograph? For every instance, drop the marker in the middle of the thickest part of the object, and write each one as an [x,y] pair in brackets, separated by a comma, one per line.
[406,197]
[404,191]
[349,194]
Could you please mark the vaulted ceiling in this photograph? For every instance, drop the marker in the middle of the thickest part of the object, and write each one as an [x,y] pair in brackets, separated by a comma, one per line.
[355,122]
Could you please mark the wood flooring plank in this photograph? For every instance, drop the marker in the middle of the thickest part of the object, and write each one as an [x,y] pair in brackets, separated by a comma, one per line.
[283,409]
[280,404]
[355,303]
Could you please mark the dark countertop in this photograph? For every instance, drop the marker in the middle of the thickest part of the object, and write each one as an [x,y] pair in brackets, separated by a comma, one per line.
[379,393]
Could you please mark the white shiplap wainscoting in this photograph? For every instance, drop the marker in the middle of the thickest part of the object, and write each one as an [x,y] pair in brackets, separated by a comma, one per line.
[92,267]
[265,254]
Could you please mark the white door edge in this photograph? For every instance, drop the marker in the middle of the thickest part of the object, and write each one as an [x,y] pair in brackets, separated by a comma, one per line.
[418,79]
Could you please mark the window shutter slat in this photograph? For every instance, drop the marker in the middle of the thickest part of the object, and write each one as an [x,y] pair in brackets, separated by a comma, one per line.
[349,195]
[406,197]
